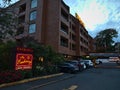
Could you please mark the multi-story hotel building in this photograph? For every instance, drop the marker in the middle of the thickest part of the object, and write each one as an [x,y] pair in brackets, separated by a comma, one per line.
[50,23]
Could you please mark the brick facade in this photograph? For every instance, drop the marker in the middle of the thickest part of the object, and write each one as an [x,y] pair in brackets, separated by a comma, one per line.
[55,26]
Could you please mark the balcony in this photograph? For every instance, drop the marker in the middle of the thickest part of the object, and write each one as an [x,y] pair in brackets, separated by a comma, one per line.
[64,28]
[63,41]
[64,15]
[22,8]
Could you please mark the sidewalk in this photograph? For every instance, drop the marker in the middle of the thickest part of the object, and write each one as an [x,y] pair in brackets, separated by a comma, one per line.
[32,83]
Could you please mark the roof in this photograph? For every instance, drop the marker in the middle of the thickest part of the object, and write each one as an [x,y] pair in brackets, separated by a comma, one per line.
[105,54]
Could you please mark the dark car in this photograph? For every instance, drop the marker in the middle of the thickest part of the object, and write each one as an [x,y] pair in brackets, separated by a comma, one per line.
[76,63]
[118,62]
[68,68]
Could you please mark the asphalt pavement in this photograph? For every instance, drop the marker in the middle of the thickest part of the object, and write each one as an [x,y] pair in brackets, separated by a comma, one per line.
[103,77]
[30,84]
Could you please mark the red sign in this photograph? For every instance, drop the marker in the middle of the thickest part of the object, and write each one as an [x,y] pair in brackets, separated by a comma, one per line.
[23,61]
[24,50]
[24,58]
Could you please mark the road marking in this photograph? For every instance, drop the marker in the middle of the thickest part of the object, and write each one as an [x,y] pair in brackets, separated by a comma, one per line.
[44,84]
[73,87]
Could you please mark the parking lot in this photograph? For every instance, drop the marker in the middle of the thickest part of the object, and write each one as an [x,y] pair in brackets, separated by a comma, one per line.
[104,77]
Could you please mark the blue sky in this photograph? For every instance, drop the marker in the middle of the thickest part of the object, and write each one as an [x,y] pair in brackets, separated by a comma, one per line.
[97,15]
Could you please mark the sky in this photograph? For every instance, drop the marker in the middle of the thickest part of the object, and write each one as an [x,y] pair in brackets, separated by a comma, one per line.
[12,1]
[97,15]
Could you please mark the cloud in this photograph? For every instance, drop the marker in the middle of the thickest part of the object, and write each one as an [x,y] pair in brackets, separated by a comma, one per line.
[89,11]
[97,14]
[93,16]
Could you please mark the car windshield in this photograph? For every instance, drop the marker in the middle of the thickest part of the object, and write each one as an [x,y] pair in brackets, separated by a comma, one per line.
[86,61]
[73,62]
[67,64]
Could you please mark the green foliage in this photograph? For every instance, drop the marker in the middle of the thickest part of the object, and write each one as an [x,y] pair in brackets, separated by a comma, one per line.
[8,24]
[6,55]
[104,40]
[25,73]
[46,52]
[47,66]
[50,59]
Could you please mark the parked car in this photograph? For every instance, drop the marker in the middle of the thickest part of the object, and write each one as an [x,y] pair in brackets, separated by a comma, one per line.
[76,63]
[83,65]
[68,68]
[88,63]
[97,62]
[118,62]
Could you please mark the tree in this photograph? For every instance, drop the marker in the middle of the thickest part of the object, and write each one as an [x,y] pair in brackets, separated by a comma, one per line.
[6,58]
[104,40]
[8,23]
[5,3]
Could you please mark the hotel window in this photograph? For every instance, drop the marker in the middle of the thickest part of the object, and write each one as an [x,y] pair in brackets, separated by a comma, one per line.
[64,14]
[32,28]
[22,8]
[73,47]
[33,15]
[33,3]
[63,41]
[73,37]
[73,28]
[64,28]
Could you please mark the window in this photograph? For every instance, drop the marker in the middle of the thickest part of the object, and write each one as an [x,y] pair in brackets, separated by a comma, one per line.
[73,47]
[64,28]
[22,8]
[73,28]
[73,37]
[32,28]
[33,3]
[64,14]
[63,41]
[33,15]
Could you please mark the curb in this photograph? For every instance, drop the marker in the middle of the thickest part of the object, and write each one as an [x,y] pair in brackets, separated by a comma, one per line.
[29,80]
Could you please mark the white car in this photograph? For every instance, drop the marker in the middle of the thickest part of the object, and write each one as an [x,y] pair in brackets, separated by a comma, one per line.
[88,63]
[98,62]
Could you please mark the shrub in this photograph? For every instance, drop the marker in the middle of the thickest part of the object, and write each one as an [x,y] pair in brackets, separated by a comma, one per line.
[10,76]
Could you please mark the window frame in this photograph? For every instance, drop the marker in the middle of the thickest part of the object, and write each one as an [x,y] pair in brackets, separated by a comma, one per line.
[33,27]
[33,15]
[34,3]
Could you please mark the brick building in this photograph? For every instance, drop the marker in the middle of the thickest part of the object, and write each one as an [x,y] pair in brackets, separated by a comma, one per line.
[50,23]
